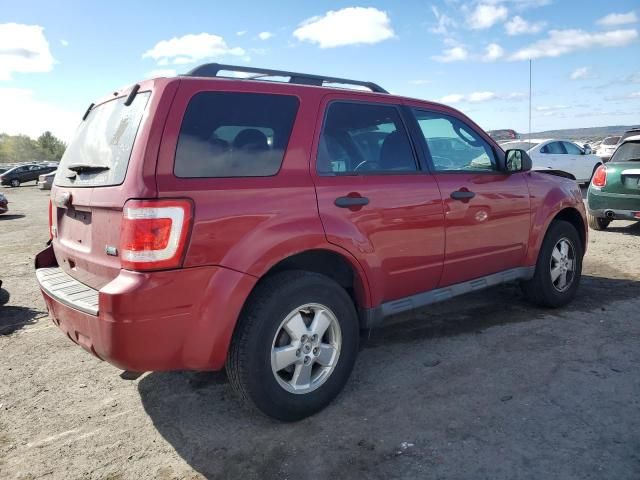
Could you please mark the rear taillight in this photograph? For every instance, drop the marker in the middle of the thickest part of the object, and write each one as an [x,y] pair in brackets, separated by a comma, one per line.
[600,177]
[154,233]
[50,220]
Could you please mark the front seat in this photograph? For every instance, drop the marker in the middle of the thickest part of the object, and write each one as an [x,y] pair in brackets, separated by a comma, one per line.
[396,153]
[252,140]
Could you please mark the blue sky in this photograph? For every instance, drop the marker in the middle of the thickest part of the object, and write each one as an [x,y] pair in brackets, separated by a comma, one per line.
[56,57]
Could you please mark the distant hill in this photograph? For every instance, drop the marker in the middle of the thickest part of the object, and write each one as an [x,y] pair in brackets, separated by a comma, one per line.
[592,133]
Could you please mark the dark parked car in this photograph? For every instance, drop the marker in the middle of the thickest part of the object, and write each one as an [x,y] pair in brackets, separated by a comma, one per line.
[258,225]
[24,173]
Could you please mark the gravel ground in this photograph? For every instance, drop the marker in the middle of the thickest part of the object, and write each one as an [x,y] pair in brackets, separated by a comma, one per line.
[481,387]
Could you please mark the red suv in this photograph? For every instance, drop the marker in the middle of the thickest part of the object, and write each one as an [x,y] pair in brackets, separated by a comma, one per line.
[203,222]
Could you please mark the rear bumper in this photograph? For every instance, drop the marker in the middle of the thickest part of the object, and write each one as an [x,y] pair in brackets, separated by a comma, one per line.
[613,214]
[619,206]
[167,320]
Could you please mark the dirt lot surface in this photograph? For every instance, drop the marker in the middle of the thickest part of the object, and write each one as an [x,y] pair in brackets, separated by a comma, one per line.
[485,386]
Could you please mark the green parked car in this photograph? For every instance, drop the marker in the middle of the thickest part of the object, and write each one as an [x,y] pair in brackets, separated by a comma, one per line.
[614,192]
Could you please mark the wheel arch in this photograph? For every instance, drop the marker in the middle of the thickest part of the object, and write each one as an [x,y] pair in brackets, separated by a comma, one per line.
[573,216]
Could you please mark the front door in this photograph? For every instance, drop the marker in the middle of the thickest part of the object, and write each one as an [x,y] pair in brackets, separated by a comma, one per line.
[374,199]
[487,212]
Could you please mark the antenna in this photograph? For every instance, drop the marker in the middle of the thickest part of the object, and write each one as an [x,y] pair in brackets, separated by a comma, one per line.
[529,100]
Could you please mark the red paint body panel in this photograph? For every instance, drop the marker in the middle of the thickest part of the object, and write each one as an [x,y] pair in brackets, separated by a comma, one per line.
[488,233]
[160,320]
[410,238]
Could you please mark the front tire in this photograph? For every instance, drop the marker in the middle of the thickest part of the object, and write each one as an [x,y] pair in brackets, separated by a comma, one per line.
[597,223]
[15,182]
[558,268]
[295,345]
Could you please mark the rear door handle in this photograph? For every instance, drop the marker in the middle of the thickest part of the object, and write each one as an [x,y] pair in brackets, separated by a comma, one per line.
[348,202]
[462,195]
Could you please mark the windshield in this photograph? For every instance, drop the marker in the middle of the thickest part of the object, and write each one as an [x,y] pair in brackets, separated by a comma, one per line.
[627,152]
[610,141]
[519,145]
[105,139]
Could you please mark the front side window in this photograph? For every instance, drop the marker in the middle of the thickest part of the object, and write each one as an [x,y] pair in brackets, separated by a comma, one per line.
[359,138]
[553,148]
[232,134]
[453,145]
[572,148]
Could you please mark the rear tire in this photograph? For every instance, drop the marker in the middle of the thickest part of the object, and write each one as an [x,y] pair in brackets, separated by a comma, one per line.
[283,310]
[597,223]
[15,182]
[560,258]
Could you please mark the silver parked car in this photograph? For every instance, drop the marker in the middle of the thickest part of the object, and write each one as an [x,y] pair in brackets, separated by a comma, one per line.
[45,181]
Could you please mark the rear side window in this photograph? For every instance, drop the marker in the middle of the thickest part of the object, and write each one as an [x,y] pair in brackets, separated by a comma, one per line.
[363,138]
[229,134]
[100,150]
[571,148]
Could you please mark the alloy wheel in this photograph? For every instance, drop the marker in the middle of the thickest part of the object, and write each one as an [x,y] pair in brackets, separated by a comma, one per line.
[306,348]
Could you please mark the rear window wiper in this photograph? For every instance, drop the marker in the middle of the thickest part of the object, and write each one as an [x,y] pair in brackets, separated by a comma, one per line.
[83,168]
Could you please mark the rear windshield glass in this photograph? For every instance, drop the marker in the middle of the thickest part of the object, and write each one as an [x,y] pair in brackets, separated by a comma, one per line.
[518,145]
[627,152]
[610,141]
[104,139]
[227,134]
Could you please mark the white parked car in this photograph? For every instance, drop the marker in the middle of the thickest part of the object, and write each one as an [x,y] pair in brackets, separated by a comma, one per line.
[561,155]
[607,147]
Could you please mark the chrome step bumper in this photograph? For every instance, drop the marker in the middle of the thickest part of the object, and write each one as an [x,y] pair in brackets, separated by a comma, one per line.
[67,290]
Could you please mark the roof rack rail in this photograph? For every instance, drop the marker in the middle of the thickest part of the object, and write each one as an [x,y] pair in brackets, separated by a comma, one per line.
[212,70]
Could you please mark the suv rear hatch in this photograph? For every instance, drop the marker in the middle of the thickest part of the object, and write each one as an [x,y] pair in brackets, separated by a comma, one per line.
[111,159]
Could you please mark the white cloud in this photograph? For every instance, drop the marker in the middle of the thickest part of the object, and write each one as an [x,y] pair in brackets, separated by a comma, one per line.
[191,48]
[161,72]
[23,49]
[454,54]
[551,108]
[241,33]
[452,98]
[30,116]
[420,82]
[348,26]
[518,26]
[614,19]
[477,97]
[628,96]
[493,52]
[64,43]
[445,23]
[485,15]
[560,42]
[265,35]
[580,73]
[480,97]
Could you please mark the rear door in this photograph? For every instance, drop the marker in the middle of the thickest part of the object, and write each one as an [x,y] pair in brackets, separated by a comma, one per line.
[108,161]
[375,200]
[578,163]
[487,211]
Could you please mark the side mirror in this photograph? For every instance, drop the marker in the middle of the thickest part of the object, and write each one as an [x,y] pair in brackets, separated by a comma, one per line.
[587,149]
[517,160]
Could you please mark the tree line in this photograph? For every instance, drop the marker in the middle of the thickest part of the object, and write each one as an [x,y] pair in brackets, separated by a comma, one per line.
[21,148]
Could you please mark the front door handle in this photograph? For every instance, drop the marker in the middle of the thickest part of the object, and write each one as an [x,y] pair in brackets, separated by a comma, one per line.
[462,195]
[349,202]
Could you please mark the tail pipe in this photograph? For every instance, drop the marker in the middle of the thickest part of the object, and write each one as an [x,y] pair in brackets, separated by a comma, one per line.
[609,214]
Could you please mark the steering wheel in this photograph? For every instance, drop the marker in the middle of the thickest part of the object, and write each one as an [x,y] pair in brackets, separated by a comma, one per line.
[364,165]
[442,161]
